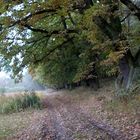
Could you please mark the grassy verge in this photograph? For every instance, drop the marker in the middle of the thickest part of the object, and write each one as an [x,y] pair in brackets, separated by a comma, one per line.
[19,102]
[121,113]
[11,124]
[127,105]
[17,112]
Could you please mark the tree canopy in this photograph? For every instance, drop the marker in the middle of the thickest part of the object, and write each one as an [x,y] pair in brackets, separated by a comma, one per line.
[67,41]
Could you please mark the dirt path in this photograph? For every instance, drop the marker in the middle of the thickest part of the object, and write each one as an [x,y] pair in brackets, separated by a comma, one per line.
[64,119]
[72,122]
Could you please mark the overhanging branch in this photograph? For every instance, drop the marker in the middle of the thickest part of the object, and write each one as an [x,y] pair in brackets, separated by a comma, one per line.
[133,8]
[51,51]
[51,32]
[31,15]
[125,17]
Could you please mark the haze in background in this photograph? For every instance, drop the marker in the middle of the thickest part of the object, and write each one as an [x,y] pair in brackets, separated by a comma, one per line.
[8,85]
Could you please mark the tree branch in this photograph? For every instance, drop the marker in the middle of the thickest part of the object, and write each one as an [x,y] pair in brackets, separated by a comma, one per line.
[51,51]
[133,8]
[47,32]
[31,15]
[125,17]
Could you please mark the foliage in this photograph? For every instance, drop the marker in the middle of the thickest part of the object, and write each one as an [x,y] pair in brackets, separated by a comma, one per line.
[60,68]
[60,41]
[19,103]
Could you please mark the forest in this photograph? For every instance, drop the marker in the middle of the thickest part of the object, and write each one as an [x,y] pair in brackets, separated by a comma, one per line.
[69,44]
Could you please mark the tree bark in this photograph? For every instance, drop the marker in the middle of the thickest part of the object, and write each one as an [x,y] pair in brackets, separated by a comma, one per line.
[125,78]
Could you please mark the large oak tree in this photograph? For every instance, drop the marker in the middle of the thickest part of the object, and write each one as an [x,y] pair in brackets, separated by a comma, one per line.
[33,30]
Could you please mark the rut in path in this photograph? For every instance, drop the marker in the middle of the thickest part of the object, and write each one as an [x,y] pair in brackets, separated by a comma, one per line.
[70,122]
[64,119]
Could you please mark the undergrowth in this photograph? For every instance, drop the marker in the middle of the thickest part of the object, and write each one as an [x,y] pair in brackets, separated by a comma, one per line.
[125,103]
[19,102]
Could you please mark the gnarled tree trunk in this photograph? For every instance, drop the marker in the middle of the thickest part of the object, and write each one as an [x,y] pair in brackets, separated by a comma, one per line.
[128,65]
[124,80]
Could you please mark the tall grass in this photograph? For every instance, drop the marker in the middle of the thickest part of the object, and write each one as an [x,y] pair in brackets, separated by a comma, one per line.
[19,102]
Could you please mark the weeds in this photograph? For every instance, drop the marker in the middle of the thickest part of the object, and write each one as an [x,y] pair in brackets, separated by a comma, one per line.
[19,103]
[126,103]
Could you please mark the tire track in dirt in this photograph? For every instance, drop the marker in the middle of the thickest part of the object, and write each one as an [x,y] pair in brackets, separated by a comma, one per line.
[56,122]
[85,122]
[65,119]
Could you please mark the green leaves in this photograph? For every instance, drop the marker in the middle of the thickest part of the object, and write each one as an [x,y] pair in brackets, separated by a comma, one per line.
[62,39]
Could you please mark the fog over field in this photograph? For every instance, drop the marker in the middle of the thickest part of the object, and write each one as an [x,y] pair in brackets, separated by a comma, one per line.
[8,85]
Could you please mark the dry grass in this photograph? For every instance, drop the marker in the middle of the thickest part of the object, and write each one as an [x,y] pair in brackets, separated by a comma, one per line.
[105,107]
[122,114]
[13,121]
[11,124]
[20,102]
[101,105]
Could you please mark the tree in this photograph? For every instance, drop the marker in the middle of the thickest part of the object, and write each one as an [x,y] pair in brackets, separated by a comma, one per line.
[32,31]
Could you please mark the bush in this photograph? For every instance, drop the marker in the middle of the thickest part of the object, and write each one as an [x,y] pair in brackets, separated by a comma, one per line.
[19,103]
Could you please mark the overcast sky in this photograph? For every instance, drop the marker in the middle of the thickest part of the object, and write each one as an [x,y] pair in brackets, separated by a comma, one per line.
[3,74]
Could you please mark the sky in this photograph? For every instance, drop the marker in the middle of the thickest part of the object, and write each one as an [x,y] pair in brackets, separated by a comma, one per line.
[3,74]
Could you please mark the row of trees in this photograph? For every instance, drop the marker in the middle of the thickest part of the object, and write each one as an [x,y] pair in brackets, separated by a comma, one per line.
[66,42]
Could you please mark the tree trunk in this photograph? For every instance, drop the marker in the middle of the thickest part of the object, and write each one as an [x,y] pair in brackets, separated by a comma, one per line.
[113,30]
[127,69]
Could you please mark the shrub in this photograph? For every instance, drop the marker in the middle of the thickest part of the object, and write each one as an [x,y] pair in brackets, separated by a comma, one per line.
[19,103]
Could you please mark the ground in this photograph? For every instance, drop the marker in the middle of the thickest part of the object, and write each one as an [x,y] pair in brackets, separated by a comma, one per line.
[81,114]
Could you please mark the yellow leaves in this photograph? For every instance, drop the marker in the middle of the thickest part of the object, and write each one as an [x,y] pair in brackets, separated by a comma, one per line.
[88,17]
[3,6]
[61,5]
[62,12]
[55,4]
[112,56]
[115,56]
[99,10]
[95,35]
[35,19]
[92,29]
[35,6]
[6,21]
[123,44]
[1,2]
[66,3]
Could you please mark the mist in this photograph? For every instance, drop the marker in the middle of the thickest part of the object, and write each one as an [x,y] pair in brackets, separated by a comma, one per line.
[28,84]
